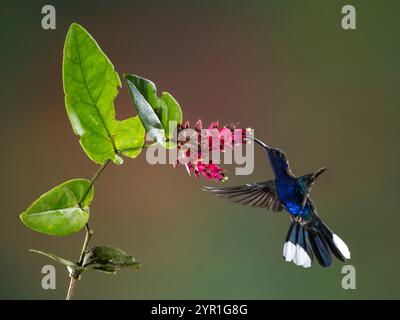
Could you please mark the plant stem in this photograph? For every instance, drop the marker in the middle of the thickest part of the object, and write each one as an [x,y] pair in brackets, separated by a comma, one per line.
[88,236]
[93,180]
[75,274]
[71,288]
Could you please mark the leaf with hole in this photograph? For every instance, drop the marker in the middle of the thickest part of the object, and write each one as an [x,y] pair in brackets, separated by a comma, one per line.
[90,87]
[61,211]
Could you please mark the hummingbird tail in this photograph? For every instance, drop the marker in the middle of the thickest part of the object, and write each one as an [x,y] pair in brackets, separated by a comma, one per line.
[297,246]
[324,242]
[304,241]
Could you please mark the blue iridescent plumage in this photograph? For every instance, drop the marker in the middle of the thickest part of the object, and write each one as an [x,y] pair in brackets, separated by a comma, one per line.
[292,192]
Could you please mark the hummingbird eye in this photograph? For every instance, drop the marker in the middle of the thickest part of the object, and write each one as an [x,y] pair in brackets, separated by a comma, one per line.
[279,154]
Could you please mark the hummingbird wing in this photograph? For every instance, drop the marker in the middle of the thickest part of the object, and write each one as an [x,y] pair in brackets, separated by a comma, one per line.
[261,195]
[307,182]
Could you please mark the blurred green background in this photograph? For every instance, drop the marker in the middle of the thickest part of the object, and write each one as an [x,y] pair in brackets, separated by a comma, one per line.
[328,97]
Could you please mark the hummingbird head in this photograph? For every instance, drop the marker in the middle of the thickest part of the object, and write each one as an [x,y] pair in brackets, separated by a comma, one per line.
[278,159]
[276,156]
[276,153]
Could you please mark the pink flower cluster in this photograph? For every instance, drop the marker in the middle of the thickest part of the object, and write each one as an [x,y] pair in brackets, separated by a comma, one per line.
[199,140]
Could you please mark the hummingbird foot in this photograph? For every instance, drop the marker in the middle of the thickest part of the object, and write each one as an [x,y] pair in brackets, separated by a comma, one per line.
[297,219]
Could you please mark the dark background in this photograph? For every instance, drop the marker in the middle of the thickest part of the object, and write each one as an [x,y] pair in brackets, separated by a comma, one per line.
[327,96]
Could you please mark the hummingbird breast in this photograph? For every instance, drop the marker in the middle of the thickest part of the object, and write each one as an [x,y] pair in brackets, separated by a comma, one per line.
[291,195]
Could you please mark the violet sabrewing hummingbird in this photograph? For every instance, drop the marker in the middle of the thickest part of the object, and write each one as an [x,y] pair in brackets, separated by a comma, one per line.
[308,235]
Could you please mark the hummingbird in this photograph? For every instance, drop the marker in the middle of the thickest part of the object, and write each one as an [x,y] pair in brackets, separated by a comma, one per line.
[308,235]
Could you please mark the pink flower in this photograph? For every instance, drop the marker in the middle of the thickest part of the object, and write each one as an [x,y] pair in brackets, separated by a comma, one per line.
[199,142]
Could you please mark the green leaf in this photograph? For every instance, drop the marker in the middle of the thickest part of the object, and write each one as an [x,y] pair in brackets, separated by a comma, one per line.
[155,113]
[146,88]
[71,266]
[129,137]
[108,259]
[142,92]
[62,210]
[171,114]
[63,261]
[90,87]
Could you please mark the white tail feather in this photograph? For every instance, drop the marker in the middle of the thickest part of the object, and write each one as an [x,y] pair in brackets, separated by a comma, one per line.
[289,251]
[297,254]
[339,243]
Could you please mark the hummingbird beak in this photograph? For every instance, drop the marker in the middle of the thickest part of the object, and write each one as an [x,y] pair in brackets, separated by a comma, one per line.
[262,144]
